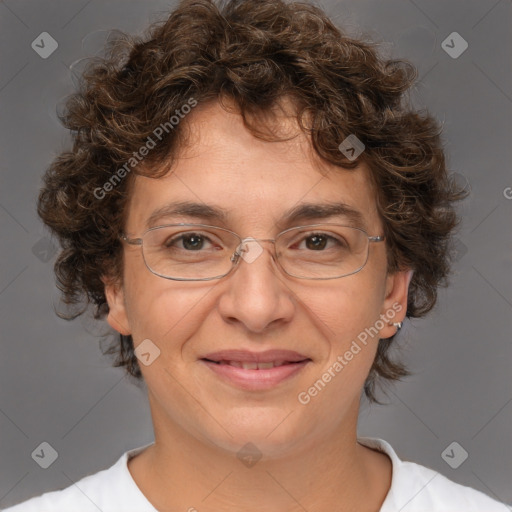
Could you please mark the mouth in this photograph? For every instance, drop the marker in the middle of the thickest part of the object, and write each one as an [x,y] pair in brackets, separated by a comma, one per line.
[253,370]
[253,365]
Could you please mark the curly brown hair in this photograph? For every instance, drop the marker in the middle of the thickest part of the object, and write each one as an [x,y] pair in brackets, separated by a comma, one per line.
[255,53]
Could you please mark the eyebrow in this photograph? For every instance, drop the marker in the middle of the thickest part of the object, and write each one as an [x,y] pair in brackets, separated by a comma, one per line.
[301,212]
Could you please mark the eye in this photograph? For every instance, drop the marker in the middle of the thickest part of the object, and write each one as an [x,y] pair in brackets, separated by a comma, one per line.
[190,241]
[319,241]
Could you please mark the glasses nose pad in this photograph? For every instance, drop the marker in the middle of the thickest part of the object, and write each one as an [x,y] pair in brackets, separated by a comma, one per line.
[249,249]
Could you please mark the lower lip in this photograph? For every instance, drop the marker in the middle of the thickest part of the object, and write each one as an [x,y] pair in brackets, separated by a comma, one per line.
[256,379]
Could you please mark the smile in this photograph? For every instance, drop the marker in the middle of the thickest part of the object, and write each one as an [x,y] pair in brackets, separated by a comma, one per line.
[253,365]
[253,371]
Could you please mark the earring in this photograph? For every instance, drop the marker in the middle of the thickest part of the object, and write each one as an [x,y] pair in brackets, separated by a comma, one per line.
[398,325]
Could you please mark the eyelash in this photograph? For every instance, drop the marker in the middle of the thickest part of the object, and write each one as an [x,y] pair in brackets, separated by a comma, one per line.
[169,242]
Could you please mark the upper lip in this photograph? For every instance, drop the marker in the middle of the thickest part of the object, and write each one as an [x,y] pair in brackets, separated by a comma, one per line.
[245,356]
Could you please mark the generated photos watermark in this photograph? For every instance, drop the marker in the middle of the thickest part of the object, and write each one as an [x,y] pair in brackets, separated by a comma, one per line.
[304,397]
[143,151]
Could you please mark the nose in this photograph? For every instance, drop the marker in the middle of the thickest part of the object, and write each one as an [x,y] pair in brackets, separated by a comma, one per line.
[256,294]
[250,249]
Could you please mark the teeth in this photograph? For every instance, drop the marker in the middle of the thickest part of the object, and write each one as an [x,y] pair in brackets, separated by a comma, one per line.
[266,366]
[254,365]
[250,366]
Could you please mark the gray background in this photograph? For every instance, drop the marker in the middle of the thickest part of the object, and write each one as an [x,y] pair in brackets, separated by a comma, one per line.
[57,387]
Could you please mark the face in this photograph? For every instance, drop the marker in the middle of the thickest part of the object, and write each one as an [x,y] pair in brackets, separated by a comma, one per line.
[257,308]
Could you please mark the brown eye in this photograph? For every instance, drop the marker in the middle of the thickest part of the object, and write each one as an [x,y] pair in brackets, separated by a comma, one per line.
[192,241]
[316,242]
[319,242]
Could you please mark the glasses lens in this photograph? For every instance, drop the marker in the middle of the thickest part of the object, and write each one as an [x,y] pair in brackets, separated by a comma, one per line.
[323,251]
[189,252]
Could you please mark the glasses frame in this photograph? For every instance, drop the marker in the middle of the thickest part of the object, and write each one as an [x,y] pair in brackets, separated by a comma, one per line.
[235,258]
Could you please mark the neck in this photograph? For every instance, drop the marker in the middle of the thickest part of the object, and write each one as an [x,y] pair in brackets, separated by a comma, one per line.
[333,472]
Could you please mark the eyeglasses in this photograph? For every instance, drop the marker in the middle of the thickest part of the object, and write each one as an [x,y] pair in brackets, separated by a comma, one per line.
[199,252]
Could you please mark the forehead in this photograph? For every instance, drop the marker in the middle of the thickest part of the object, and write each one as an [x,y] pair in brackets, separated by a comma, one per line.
[254,181]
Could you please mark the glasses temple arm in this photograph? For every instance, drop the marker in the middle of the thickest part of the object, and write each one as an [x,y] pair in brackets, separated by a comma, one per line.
[131,241]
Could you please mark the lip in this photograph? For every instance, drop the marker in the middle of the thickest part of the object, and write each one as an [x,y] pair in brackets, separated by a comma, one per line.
[246,356]
[259,379]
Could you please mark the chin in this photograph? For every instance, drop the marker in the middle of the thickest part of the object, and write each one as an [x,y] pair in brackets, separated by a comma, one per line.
[272,432]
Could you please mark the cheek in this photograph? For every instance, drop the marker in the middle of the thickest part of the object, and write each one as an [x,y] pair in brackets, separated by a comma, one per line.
[347,317]
[162,310]
[346,308]
[147,301]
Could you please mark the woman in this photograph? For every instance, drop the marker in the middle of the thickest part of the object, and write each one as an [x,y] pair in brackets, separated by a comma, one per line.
[255,211]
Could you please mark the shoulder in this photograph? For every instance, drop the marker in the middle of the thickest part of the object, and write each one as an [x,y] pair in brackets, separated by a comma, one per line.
[416,488]
[87,494]
[108,490]
[420,489]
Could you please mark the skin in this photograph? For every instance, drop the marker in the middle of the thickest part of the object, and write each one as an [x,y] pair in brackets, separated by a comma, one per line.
[310,457]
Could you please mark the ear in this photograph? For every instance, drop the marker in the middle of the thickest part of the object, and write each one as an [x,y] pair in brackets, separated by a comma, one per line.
[394,306]
[116,317]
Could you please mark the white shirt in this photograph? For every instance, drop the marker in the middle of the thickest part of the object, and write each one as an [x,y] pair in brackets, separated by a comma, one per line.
[414,488]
